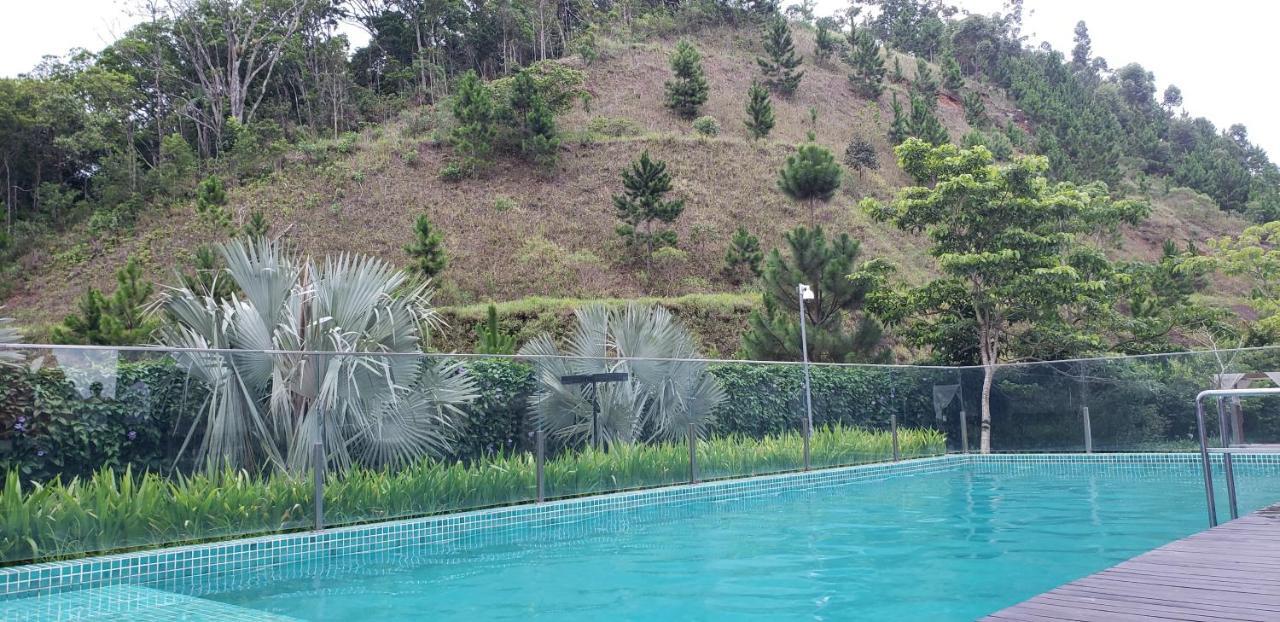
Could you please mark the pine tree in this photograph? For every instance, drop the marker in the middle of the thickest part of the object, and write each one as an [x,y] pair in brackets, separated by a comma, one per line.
[116,321]
[868,67]
[533,120]
[541,142]
[811,175]
[687,90]
[952,77]
[207,275]
[742,256]
[760,119]
[780,68]
[975,111]
[824,42]
[898,76]
[924,124]
[256,227]
[641,204]
[211,196]
[474,134]
[925,85]
[1083,46]
[491,339]
[899,129]
[840,287]
[861,154]
[427,249]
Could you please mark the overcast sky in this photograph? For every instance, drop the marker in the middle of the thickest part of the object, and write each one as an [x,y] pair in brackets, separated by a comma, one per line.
[1220,53]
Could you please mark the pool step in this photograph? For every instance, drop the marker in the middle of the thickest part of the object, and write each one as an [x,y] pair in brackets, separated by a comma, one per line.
[127,603]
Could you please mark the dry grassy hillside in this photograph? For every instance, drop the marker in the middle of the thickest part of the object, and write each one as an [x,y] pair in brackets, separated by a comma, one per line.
[517,232]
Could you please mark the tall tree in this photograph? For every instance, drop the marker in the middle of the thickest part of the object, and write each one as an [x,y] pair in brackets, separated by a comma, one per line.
[924,124]
[774,331]
[1002,236]
[1083,48]
[952,77]
[474,134]
[760,119]
[687,90]
[824,43]
[811,175]
[925,85]
[231,48]
[780,68]
[867,64]
[642,203]
[426,251]
[900,127]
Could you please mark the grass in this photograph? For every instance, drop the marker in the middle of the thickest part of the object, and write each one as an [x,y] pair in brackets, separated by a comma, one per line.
[119,511]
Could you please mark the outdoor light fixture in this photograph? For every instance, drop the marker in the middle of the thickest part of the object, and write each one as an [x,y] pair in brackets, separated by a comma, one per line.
[804,292]
[592,379]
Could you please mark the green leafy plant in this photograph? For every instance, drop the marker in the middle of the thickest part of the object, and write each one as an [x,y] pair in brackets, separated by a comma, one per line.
[760,118]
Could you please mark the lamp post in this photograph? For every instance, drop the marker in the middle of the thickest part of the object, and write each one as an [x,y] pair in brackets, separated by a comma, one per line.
[804,292]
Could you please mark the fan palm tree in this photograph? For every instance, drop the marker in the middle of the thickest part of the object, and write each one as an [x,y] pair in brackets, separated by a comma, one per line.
[359,390]
[662,397]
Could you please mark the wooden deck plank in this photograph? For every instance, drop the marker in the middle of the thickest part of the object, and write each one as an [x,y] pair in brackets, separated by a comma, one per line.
[1228,573]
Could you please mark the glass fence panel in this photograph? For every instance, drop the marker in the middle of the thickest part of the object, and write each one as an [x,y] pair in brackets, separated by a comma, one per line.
[426,435]
[106,450]
[757,425]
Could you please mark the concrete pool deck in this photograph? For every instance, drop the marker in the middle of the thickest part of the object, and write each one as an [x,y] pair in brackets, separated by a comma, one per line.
[1229,572]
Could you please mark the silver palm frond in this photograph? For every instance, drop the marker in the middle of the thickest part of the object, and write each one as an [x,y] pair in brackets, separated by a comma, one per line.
[351,315]
[666,392]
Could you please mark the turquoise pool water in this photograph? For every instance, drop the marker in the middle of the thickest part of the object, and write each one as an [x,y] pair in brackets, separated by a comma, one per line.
[942,546]
[949,545]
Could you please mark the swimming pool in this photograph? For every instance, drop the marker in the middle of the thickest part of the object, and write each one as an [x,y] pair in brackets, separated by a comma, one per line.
[948,538]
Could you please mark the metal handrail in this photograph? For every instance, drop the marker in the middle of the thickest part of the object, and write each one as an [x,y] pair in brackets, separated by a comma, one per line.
[1226,450]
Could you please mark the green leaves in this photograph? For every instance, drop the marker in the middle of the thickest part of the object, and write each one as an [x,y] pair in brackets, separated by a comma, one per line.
[760,118]
[811,175]
[427,249]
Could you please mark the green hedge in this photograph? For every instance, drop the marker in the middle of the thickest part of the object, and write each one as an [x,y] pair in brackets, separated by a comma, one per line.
[115,510]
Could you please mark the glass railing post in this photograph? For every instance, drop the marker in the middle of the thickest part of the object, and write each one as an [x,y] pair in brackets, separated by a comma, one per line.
[693,454]
[318,468]
[541,451]
[893,427]
[1088,430]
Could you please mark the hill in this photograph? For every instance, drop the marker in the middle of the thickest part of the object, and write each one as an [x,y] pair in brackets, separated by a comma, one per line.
[517,232]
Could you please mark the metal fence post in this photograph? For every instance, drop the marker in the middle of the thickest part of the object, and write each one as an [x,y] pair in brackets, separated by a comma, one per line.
[964,432]
[1227,433]
[893,425]
[541,443]
[693,454]
[806,444]
[1088,430]
[318,468]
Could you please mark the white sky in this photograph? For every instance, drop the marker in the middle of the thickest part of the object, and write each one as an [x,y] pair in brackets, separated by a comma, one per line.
[1219,54]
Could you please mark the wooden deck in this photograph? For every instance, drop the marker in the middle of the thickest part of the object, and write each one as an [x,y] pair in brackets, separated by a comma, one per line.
[1230,572]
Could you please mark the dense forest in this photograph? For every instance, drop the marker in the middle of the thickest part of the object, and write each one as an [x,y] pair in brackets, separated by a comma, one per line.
[205,95]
